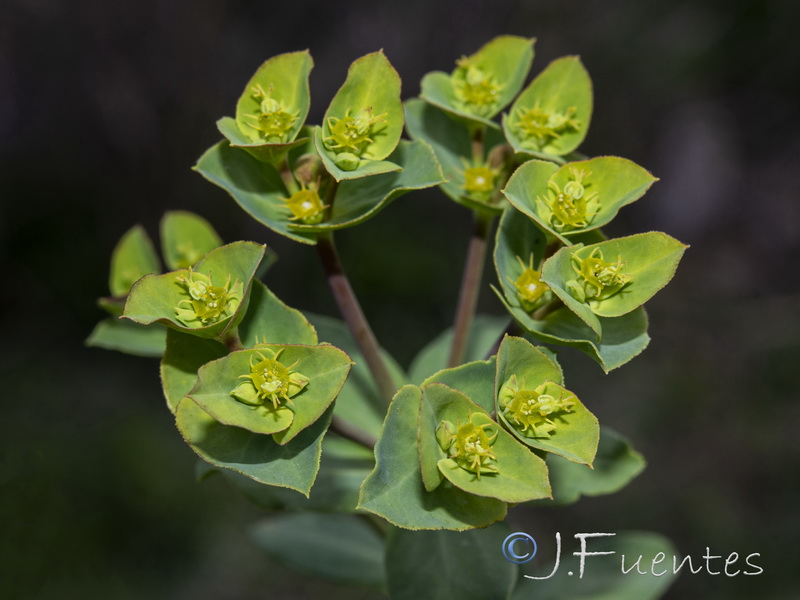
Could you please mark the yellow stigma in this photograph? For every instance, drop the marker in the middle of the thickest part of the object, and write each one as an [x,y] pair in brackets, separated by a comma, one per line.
[269,380]
[533,411]
[570,208]
[272,122]
[206,303]
[306,206]
[530,288]
[469,445]
[537,127]
[352,132]
[601,279]
[475,90]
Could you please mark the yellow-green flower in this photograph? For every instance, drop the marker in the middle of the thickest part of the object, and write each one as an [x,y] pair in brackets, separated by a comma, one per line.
[469,445]
[269,380]
[536,409]
[206,303]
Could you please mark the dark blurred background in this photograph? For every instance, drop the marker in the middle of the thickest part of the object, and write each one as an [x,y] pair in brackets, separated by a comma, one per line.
[104,107]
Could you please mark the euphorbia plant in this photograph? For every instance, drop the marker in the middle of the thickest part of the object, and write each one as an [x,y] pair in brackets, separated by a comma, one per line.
[483,419]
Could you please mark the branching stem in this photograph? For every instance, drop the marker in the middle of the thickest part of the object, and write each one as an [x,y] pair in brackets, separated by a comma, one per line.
[470,285]
[354,316]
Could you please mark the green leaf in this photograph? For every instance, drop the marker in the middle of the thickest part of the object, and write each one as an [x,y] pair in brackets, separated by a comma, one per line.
[623,338]
[445,565]
[268,320]
[519,245]
[603,578]
[394,490]
[615,465]
[371,92]
[256,187]
[357,200]
[452,143]
[504,61]
[577,431]
[342,548]
[475,380]
[517,356]
[156,298]
[359,403]
[186,238]
[134,257]
[563,89]
[610,183]
[485,332]
[184,356]
[284,80]
[650,259]
[259,457]
[343,468]
[326,368]
[130,338]
[521,475]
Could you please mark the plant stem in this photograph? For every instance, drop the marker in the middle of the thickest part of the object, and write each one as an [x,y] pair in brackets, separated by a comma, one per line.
[287,177]
[232,340]
[477,146]
[470,285]
[352,433]
[354,316]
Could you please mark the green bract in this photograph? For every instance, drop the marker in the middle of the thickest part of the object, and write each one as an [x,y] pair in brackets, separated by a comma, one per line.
[272,389]
[484,83]
[205,300]
[133,258]
[551,116]
[272,109]
[577,197]
[534,406]
[394,490]
[364,121]
[612,278]
[186,238]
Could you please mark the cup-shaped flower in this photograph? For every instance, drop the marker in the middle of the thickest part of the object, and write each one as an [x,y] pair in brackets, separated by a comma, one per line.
[206,300]
[469,444]
[614,277]
[364,121]
[550,118]
[277,389]
[533,411]
[598,279]
[206,303]
[186,238]
[533,405]
[483,83]
[272,108]
[532,292]
[269,380]
[460,442]
[306,206]
[577,197]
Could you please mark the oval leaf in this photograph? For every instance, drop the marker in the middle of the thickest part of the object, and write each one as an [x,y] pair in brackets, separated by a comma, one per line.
[134,257]
[551,116]
[258,457]
[394,490]
[186,238]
